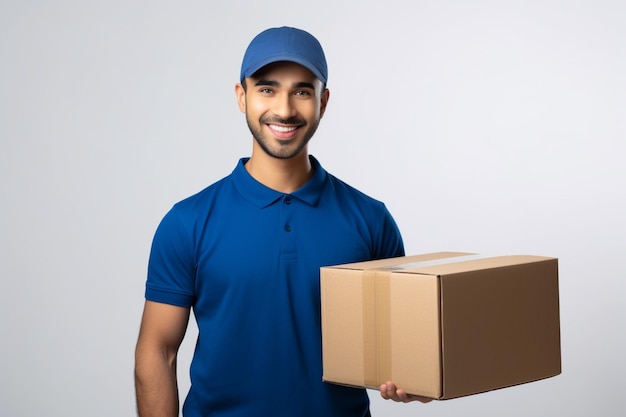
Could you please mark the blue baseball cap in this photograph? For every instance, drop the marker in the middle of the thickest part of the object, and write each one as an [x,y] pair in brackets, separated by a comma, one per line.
[285,44]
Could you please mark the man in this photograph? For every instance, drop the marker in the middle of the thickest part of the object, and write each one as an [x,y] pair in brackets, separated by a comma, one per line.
[245,254]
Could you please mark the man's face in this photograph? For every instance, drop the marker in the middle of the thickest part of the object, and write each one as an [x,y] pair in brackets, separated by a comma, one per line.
[283,103]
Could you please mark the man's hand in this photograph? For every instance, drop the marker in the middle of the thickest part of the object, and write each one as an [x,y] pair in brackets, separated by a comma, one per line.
[389,391]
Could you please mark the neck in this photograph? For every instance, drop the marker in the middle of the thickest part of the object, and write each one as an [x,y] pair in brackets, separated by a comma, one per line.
[282,175]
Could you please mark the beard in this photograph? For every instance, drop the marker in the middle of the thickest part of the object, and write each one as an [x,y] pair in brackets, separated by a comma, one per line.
[290,148]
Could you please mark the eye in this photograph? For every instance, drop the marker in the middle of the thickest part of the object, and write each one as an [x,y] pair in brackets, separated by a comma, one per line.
[303,93]
[266,90]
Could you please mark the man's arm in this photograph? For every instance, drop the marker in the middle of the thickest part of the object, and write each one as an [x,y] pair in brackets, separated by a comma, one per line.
[163,327]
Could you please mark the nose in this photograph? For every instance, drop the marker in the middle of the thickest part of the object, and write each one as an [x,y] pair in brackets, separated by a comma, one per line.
[283,106]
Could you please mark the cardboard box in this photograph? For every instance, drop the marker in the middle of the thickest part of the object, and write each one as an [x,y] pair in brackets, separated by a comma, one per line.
[441,325]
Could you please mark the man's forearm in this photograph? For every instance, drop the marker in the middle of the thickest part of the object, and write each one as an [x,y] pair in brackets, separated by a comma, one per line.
[155,385]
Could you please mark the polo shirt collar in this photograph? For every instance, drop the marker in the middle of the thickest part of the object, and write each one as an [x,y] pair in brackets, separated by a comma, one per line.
[262,196]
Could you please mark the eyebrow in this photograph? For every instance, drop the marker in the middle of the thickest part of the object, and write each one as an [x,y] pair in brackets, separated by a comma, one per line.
[268,83]
[272,83]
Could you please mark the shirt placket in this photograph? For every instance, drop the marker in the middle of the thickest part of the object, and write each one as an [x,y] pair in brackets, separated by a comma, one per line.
[289,229]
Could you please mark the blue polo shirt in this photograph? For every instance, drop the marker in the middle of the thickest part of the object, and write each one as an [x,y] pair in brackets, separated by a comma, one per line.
[246,258]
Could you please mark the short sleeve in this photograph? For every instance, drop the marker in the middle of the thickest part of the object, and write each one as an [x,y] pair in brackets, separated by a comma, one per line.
[172,266]
[390,237]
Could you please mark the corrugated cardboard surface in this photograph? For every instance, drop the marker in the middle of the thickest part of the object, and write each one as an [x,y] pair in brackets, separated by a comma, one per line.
[441,330]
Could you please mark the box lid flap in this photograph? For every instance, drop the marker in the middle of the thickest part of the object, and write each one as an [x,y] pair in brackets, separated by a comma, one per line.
[467,263]
[398,261]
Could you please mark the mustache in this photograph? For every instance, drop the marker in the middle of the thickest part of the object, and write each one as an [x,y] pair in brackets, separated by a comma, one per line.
[295,121]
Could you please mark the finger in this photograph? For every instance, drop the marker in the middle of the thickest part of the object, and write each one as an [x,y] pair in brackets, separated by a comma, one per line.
[383,392]
[389,392]
[403,396]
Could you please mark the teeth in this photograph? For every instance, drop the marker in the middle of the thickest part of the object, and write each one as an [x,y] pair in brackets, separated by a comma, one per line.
[283,129]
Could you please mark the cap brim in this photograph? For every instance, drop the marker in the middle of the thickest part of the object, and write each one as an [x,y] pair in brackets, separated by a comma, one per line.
[253,69]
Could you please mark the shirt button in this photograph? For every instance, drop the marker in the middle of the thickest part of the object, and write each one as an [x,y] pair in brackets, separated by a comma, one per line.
[288,228]
[287,200]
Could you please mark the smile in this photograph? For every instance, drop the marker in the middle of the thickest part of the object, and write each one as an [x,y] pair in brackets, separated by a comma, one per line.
[283,129]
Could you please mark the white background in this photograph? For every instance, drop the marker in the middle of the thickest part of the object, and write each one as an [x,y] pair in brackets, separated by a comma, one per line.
[486,126]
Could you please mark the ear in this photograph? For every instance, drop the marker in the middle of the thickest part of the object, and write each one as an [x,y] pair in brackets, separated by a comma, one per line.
[324,101]
[241,97]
